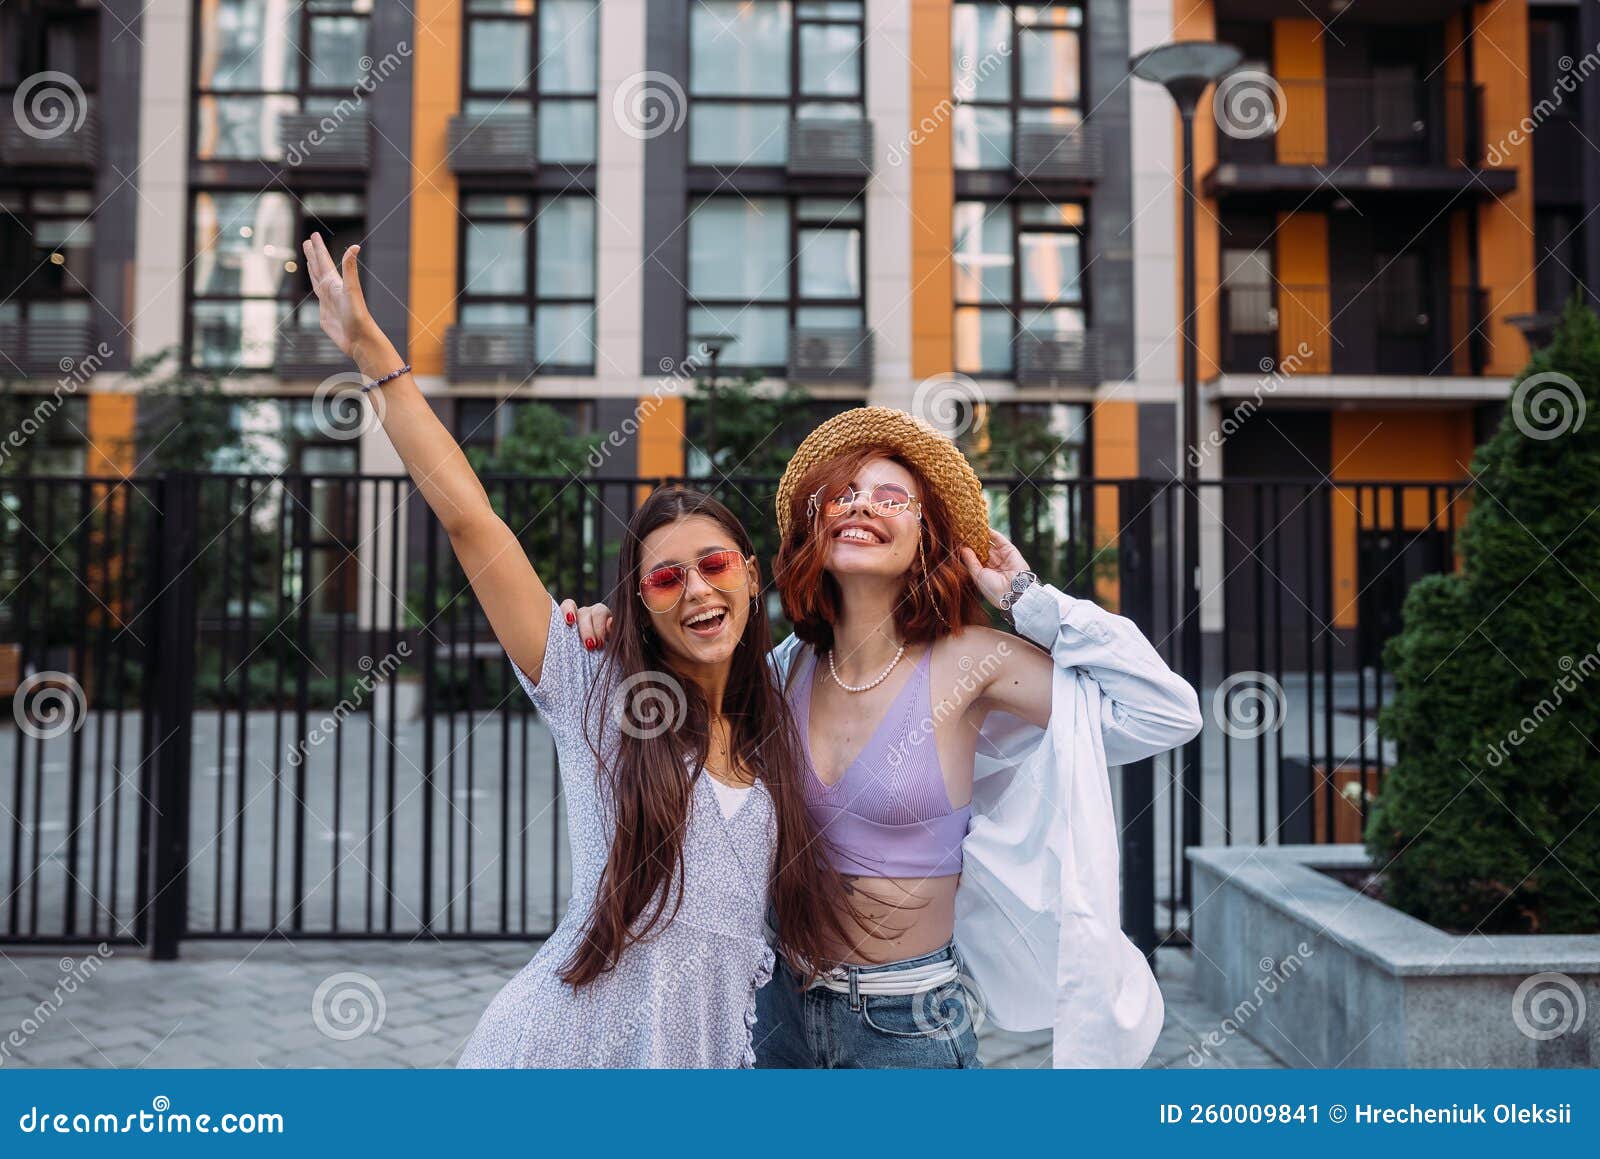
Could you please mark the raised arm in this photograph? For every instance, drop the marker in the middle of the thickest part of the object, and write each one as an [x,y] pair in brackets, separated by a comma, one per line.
[508,588]
[1146,708]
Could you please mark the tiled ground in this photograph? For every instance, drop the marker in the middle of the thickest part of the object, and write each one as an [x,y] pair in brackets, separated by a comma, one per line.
[344,1004]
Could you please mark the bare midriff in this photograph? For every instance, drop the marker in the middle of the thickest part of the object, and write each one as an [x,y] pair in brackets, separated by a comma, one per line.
[899,917]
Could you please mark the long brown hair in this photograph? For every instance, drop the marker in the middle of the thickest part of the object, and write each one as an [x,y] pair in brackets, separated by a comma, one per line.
[642,884]
[939,598]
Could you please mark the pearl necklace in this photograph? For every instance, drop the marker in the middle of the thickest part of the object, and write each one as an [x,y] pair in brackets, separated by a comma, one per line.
[871,684]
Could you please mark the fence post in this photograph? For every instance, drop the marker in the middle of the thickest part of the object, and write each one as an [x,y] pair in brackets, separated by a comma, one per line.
[1135,551]
[170,676]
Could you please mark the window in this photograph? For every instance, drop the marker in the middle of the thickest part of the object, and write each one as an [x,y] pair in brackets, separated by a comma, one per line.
[756,64]
[531,260]
[536,57]
[48,36]
[46,253]
[246,282]
[761,267]
[259,59]
[1035,438]
[482,424]
[1018,272]
[1013,66]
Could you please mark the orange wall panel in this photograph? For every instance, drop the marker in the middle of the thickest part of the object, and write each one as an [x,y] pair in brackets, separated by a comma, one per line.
[111,433]
[1297,56]
[1303,304]
[1196,20]
[1422,445]
[1505,224]
[1115,431]
[436,98]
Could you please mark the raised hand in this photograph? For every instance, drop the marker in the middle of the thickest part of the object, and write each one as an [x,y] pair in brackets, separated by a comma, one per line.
[1005,561]
[342,307]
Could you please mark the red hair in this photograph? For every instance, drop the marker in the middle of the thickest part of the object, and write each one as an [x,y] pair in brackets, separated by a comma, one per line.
[939,597]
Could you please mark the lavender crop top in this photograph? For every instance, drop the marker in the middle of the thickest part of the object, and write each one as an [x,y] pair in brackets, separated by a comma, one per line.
[889,814]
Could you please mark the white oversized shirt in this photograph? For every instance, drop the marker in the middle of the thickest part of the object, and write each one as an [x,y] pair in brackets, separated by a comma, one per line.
[1038,908]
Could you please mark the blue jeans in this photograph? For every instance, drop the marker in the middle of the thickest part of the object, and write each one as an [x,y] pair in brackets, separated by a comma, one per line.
[821,1029]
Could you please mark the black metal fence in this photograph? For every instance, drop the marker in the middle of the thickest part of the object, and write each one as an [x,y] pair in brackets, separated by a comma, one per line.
[247,705]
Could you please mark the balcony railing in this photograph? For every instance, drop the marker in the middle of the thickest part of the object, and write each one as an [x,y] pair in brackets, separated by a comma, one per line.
[306,353]
[67,143]
[825,147]
[476,352]
[326,141]
[1063,361]
[1354,328]
[499,142]
[44,349]
[1340,121]
[1058,152]
[833,354]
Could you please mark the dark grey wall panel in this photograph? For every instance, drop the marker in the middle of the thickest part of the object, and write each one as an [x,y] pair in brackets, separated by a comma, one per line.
[1111,215]
[666,159]
[386,252]
[116,195]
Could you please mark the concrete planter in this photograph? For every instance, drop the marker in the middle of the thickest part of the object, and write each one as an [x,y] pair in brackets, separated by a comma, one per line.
[1324,976]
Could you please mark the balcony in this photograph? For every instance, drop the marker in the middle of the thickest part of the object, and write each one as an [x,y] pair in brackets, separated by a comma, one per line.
[326,142]
[28,147]
[831,355]
[499,142]
[1333,137]
[476,352]
[44,349]
[1354,328]
[828,147]
[308,353]
[1058,152]
[1066,360]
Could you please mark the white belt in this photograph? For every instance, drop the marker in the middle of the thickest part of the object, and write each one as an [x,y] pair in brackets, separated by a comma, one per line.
[877,980]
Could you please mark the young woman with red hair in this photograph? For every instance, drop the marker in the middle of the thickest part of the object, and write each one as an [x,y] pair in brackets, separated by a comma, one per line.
[958,774]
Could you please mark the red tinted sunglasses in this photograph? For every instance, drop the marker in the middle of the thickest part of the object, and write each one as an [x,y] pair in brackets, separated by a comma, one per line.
[663,587]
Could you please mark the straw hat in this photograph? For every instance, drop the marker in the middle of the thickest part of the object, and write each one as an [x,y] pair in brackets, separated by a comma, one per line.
[938,460]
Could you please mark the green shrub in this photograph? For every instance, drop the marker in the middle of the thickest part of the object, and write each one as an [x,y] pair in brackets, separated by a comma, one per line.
[1490,820]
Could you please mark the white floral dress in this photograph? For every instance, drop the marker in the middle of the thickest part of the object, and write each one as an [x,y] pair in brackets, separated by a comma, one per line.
[684,997]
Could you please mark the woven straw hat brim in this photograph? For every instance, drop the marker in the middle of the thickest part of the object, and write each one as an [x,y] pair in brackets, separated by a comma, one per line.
[939,461]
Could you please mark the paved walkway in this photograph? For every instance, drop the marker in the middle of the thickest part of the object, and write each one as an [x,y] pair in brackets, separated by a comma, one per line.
[354,1004]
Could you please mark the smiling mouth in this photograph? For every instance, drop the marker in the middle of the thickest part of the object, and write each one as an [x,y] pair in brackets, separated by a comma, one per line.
[859,534]
[707,622]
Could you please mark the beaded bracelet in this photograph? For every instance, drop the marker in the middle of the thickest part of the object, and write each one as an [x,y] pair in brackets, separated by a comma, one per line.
[406,369]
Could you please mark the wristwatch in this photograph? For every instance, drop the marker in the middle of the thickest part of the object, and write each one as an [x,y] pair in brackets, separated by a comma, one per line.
[1020,583]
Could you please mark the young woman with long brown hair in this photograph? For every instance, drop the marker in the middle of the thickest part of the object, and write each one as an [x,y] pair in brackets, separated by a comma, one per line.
[680,766]
[957,773]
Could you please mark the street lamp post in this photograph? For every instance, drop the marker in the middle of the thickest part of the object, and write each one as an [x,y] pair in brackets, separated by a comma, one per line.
[1186,68]
[713,345]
